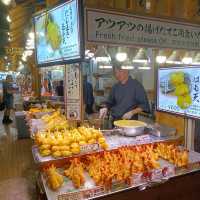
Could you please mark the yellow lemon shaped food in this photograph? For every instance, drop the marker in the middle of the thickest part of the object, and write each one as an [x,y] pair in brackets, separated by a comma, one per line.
[184,101]
[66,153]
[82,143]
[56,154]
[45,152]
[75,150]
[177,78]
[182,89]
[101,140]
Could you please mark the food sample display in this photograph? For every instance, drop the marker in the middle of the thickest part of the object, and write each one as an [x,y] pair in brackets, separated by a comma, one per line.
[129,123]
[120,165]
[54,179]
[67,142]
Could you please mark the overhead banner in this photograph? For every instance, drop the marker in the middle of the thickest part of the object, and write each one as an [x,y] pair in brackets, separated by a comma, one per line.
[119,28]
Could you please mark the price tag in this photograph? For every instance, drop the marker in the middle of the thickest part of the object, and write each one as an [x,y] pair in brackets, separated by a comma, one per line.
[157,174]
[71,196]
[90,193]
[89,148]
[142,138]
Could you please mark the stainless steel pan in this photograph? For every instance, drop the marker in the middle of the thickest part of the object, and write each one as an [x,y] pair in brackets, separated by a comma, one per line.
[131,130]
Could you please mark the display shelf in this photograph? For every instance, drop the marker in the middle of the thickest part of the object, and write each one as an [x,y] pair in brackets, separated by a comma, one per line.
[140,181]
[114,141]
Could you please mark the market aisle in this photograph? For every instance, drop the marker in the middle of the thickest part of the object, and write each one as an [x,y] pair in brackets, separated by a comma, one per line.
[17,170]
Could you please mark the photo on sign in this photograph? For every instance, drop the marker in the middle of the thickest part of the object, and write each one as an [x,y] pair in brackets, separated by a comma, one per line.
[178,90]
[58,37]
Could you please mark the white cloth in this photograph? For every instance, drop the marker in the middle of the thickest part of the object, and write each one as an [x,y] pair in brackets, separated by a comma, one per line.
[103,112]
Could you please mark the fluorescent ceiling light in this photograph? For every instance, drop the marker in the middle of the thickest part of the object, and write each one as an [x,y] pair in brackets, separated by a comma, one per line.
[5,57]
[103,59]
[173,62]
[161,59]
[6,2]
[8,19]
[105,66]
[121,57]
[187,60]
[144,68]
[140,61]
[128,67]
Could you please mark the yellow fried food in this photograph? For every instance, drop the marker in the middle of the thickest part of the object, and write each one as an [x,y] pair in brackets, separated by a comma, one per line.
[184,101]
[101,140]
[66,153]
[44,147]
[54,179]
[75,150]
[91,141]
[56,154]
[182,89]
[177,78]
[45,152]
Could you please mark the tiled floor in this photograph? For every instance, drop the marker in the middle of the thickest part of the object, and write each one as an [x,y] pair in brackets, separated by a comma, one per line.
[17,169]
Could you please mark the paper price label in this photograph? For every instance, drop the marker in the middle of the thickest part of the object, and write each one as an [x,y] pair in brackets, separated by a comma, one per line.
[89,147]
[71,196]
[90,193]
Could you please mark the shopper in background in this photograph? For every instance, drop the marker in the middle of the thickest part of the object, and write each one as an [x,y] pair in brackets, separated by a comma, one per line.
[60,89]
[127,98]
[88,95]
[8,98]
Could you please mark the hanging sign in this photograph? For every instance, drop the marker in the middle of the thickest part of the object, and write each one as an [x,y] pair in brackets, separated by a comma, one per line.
[120,28]
[73,92]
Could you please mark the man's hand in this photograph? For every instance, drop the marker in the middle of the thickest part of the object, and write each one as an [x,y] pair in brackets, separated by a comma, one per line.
[103,112]
[128,115]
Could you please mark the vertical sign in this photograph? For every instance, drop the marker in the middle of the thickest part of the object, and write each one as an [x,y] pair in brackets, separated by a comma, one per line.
[73,92]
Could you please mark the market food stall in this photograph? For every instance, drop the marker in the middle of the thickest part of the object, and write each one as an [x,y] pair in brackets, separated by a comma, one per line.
[77,160]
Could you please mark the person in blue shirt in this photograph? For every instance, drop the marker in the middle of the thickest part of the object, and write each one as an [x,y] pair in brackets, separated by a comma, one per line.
[127,98]
[88,97]
[8,98]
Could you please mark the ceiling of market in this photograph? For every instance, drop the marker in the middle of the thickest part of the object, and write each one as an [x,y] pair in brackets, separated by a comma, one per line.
[14,29]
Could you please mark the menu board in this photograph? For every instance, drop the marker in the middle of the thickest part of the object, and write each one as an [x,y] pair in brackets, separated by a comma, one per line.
[73,92]
[58,34]
[178,90]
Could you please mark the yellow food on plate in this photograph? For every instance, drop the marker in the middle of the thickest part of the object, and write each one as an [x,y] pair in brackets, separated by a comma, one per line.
[54,179]
[74,145]
[66,153]
[91,141]
[184,101]
[75,150]
[82,143]
[56,154]
[45,146]
[129,123]
[55,148]
[45,152]
[177,78]
[101,140]
[104,146]
[182,89]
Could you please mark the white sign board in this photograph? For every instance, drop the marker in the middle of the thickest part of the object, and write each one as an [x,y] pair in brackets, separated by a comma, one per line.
[73,92]
[120,28]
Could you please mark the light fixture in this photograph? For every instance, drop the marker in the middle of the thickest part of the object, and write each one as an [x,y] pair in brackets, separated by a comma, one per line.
[187,59]
[128,67]
[105,66]
[5,57]
[121,56]
[6,2]
[196,59]
[8,33]
[8,19]
[174,58]
[144,68]
[102,55]
[161,59]
[9,39]
[141,57]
